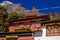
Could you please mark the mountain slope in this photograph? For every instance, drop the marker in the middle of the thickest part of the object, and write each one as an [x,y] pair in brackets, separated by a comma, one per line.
[18,8]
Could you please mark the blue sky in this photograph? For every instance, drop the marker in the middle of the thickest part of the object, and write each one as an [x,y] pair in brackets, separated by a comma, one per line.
[39,4]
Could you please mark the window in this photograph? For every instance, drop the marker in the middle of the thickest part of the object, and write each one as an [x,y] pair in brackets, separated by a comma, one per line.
[52,30]
[28,25]
[49,29]
[56,28]
[37,33]
[38,25]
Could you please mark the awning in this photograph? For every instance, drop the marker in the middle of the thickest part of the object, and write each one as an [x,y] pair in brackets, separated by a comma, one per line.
[11,36]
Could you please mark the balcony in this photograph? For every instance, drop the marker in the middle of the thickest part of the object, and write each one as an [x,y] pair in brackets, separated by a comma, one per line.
[29,33]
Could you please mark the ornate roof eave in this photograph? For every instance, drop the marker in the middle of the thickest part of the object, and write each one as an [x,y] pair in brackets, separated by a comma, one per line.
[29,19]
[50,21]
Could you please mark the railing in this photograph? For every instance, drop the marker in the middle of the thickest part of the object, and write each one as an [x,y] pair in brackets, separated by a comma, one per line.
[15,33]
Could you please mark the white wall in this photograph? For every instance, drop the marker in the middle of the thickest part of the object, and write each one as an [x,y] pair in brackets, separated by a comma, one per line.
[44,37]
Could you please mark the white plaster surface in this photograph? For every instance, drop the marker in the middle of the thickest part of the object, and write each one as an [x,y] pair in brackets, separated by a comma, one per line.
[44,37]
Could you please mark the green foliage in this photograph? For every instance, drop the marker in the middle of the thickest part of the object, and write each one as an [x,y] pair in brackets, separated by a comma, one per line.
[3,19]
[21,16]
[15,16]
[2,29]
[3,9]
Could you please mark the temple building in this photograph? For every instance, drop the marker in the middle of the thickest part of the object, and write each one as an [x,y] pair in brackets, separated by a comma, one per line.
[25,29]
[51,28]
[33,28]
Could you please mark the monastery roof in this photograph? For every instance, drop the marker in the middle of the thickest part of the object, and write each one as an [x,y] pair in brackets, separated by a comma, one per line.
[50,21]
[37,17]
